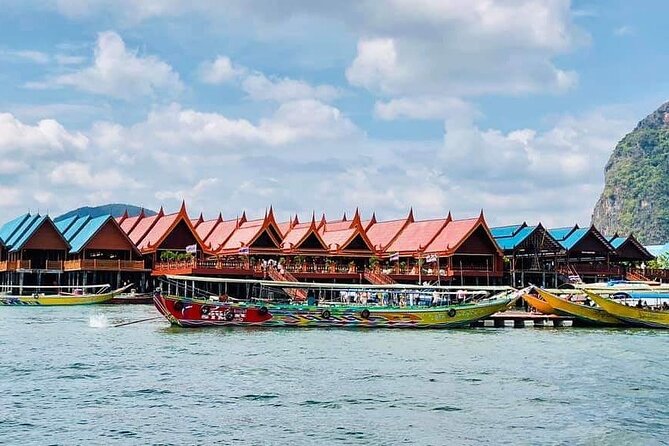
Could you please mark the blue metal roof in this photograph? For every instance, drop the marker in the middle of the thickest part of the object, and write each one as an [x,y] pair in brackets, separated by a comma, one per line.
[64,225]
[506,231]
[509,243]
[75,227]
[560,234]
[90,227]
[574,238]
[657,250]
[616,242]
[9,228]
[25,232]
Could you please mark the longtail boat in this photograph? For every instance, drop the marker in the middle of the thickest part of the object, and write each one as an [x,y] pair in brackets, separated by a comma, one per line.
[81,296]
[201,311]
[538,304]
[582,312]
[632,314]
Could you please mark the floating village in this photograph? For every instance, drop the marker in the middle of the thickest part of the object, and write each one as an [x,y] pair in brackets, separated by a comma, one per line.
[346,271]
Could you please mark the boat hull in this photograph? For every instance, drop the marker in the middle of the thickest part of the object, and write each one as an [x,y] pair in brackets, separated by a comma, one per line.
[195,313]
[540,305]
[584,313]
[632,315]
[90,299]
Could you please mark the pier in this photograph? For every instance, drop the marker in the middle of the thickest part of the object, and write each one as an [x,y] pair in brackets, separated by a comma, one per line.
[522,319]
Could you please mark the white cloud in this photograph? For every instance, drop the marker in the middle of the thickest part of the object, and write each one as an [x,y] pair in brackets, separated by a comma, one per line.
[175,127]
[48,135]
[220,71]
[423,107]
[121,73]
[81,175]
[261,88]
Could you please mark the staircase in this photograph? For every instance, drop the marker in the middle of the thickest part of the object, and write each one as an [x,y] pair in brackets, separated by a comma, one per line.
[636,276]
[378,278]
[295,293]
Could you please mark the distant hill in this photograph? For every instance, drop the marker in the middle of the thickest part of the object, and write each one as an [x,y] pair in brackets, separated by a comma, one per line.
[115,209]
[636,188]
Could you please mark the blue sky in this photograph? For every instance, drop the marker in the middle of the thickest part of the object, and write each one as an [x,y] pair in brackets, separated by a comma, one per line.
[513,106]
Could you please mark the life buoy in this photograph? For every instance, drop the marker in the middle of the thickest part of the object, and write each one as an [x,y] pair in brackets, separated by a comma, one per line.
[205,310]
[365,313]
[326,314]
[178,306]
[262,310]
[451,312]
[229,315]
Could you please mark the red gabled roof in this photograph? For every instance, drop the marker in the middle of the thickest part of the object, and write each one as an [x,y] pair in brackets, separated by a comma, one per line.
[143,226]
[248,231]
[299,233]
[456,233]
[382,234]
[205,227]
[286,226]
[340,234]
[157,231]
[220,234]
[161,226]
[129,223]
[417,235]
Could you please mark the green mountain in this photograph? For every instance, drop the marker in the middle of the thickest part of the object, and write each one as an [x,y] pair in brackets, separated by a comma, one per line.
[636,188]
[115,209]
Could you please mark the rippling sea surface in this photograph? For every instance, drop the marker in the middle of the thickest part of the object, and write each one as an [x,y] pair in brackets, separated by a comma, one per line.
[68,377]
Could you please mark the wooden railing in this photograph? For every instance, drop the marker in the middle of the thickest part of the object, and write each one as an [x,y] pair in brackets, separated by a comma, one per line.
[13,265]
[378,278]
[103,265]
[54,265]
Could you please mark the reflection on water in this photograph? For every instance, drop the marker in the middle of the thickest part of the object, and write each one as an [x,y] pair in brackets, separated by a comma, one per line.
[66,381]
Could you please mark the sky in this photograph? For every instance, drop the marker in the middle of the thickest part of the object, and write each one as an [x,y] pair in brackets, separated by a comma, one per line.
[513,107]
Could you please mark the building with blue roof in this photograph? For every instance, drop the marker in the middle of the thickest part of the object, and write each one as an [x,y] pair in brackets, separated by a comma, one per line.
[531,253]
[77,250]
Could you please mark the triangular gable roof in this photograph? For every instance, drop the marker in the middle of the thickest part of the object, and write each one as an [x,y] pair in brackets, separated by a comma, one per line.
[455,233]
[220,234]
[521,234]
[143,227]
[562,233]
[129,223]
[64,224]
[87,232]
[299,234]
[416,236]
[338,236]
[630,248]
[382,234]
[572,241]
[8,230]
[206,227]
[249,231]
[507,231]
[162,228]
[30,228]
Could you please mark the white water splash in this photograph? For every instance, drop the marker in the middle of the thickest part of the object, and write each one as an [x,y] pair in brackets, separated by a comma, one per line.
[98,321]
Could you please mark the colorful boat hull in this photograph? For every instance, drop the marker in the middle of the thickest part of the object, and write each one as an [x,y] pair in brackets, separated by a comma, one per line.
[90,299]
[632,315]
[540,305]
[198,313]
[584,313]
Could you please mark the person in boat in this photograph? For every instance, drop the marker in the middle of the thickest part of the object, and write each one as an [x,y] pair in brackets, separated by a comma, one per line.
[639,304]
[665,306]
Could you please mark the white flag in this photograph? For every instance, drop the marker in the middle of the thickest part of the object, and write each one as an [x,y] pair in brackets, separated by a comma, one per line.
[244,250]
[394,257]
[431,258]
[191,249]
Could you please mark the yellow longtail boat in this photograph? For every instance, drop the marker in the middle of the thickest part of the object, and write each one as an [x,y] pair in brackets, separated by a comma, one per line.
[633,315]
[585,313]
[538,304]
[60,297]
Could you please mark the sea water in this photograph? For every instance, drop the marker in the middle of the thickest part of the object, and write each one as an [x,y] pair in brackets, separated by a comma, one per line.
[69,377]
